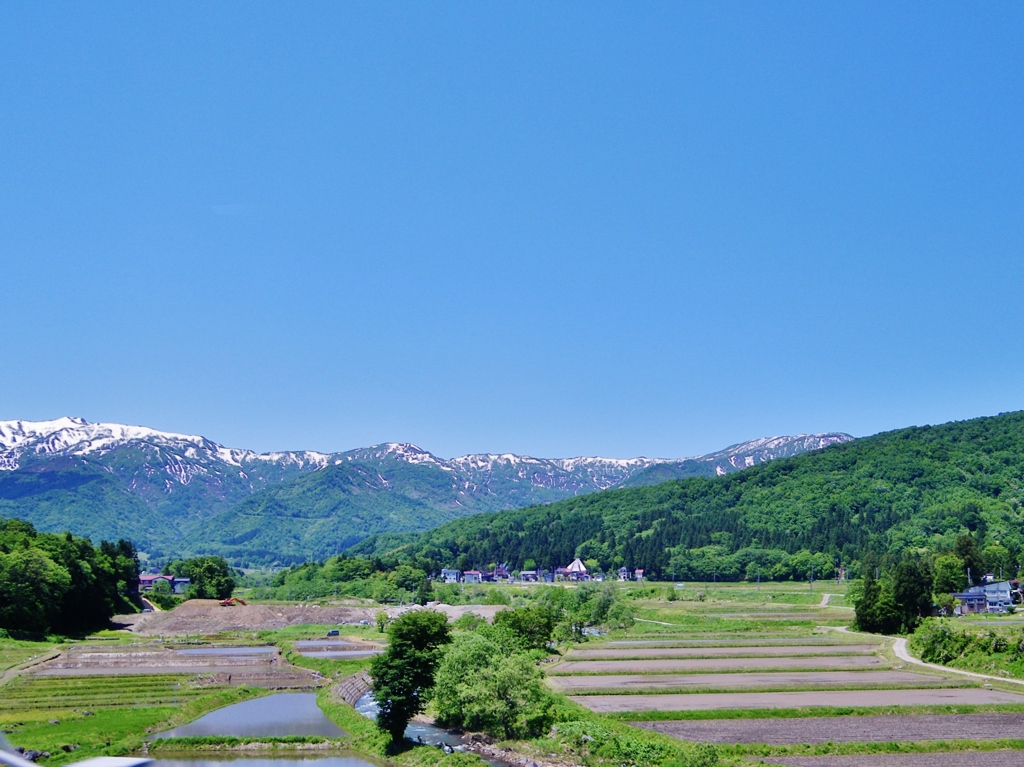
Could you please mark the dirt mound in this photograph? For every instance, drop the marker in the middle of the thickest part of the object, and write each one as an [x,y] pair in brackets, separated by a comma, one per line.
[207,616]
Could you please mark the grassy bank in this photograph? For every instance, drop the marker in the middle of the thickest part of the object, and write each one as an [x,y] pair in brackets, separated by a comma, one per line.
[742,754]
[104,716]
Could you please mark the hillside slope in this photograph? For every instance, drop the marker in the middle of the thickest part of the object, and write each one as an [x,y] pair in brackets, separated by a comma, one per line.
[915,487]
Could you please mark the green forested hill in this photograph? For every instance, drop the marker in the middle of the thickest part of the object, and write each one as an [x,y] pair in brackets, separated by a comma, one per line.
[326,511]
[916,487]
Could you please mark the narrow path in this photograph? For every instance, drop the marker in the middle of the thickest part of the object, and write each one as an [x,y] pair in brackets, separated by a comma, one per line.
[9,673]
[899,648]
[824,600]
[660,623]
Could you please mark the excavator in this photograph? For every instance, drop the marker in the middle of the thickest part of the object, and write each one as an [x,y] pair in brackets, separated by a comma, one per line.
[232,601]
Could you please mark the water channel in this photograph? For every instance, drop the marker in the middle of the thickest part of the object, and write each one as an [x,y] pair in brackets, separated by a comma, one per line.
[420,732]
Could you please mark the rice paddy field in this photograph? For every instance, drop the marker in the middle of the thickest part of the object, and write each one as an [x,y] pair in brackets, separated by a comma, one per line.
[768,676]
[776,676]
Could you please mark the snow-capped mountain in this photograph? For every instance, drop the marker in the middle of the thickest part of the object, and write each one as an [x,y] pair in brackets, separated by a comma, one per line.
[112,480]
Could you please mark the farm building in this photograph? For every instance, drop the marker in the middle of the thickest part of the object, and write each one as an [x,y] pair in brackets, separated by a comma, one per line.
[992,597]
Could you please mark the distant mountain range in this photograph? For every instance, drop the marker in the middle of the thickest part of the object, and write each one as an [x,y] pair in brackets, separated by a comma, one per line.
[176,494]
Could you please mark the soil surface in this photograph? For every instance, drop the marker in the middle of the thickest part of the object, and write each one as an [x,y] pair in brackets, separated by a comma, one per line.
[198,617]
[974,696]
[715,664]
[950,759]
[844,729]
[726,642]
[263,669]
[714,652]
[625,682]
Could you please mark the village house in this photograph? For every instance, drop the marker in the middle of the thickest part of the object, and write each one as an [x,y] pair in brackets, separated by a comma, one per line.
[994,597]
[528,576]
[451,576]
[577,571]
[178,585]
[624,574]
[473,576]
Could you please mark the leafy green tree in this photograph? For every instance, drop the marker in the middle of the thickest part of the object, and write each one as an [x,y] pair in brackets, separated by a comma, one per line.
[404,673]
[974,562]
[32,588]
[497,597]
[950,574]
[424,592]
[482,687]
[211,577]
[997,560]
[912,591]
[876,608]
[60,582]
[532,625]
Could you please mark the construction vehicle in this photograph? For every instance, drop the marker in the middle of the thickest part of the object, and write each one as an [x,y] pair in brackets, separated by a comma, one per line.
[232,601]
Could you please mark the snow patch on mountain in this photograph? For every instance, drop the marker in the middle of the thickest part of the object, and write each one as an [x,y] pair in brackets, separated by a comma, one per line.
[181,458]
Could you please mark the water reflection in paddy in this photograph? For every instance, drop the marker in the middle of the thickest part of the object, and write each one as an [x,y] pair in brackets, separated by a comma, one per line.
[341,653]
[274,716]
[327,643]
[229,651]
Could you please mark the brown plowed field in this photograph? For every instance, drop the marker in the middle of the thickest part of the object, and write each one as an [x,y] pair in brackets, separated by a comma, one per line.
[625,682]
[715,664]
[205,616]
[266,669]
[708,701]
[765,641]
[714,652]
[950,759]
[844,729]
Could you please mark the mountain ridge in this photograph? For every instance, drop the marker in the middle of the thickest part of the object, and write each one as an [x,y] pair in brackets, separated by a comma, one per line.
[169,490]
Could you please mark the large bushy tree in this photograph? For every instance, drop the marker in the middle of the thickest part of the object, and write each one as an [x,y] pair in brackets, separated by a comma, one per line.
[211,577]
[404,673]
[482,686]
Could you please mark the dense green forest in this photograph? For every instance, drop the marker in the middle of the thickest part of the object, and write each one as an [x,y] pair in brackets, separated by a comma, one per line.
[61,583]
[915,488]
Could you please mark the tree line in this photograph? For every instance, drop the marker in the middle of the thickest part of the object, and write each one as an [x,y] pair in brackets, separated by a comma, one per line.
[62,583]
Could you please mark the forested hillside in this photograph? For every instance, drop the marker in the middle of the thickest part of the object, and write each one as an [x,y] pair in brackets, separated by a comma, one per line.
[917,487]
[179,494]
[62,583]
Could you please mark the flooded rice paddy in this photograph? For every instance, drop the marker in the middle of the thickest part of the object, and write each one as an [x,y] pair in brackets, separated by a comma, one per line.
[273,716]
[229,651]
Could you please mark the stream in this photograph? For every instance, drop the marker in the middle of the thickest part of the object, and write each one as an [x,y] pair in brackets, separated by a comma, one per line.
[421,732]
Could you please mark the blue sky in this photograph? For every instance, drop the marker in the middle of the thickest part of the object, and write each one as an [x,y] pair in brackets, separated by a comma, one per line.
[547,228]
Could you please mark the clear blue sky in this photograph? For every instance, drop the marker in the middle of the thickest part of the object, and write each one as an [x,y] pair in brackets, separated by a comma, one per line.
[548,228]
